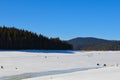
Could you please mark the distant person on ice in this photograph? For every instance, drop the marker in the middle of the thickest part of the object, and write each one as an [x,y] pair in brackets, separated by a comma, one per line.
[1,67]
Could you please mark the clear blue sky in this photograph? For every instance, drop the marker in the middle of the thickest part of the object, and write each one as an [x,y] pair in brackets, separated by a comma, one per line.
[64,18]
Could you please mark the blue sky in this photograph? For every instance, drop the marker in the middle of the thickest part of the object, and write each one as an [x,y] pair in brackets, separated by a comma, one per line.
[64,18]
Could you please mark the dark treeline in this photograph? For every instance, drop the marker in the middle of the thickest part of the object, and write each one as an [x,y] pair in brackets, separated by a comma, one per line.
[18,39]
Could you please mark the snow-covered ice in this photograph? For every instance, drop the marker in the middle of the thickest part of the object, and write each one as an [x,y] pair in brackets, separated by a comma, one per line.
[107,73]
[59,65]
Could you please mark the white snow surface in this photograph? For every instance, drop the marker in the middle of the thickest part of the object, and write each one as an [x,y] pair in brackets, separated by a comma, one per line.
[21,62]
[108,73]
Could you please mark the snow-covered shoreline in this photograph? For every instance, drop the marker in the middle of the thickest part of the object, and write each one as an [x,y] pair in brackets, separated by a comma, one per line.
[23,62]
[106,73]
[47,73]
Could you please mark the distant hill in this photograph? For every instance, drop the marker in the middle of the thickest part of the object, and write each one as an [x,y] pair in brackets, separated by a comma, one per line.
[18,39]
[90,43]
[113,45]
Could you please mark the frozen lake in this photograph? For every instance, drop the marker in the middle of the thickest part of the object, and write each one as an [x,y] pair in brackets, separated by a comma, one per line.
[19,65]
